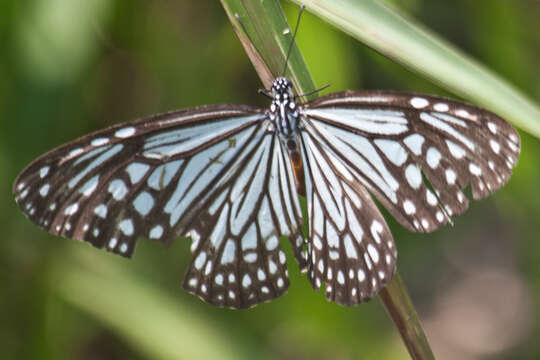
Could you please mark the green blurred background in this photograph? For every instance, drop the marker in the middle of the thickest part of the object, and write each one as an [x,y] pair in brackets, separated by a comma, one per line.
[68,67]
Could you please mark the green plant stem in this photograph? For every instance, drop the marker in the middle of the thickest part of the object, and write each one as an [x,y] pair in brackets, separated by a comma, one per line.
[400,308]
[270,36]
[268,53]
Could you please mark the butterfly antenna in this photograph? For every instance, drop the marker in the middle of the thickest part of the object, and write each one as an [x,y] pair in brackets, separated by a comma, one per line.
[313,91]
[246,33]
[293,39]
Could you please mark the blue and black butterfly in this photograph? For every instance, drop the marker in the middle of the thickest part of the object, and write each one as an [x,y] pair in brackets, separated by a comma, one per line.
[230,176]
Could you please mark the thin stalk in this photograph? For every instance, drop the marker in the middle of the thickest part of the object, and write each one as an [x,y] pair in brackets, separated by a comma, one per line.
[396,300]
[266,44]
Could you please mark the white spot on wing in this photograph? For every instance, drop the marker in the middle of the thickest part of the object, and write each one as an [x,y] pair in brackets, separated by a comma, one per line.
[208,268]
[431,198]
[101,211]
[195,240]
[228,252]
[126,226]
[200,260]
[99,141]
[340,277]
[373,253]
[272,243]
[251,257]
[414,142]
[219,279]
[125,132]
[136,171]
[261,275]
[464,113]
[24,193]
[75,152]
[457,151]
[442,107]
[282,257]
[450,176]
[90,186]
[143,203]
[218,233]
[474,169]
[44,190]
[419,103]
[331,235]
[392,150]
[376,230]
[246,281]
[433,157]
[512,146]
[413,175]
[317,242]
[272,266]
[71,209]
[350,250]
[118,189]
[361,275]
[44,171]
[249,240]
[409,207]
[156,232]
[494,146]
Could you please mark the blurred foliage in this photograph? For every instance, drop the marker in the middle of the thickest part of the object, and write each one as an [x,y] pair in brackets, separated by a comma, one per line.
[70,67]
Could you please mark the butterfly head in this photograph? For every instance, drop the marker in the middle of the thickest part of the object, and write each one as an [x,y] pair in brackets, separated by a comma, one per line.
[281,89]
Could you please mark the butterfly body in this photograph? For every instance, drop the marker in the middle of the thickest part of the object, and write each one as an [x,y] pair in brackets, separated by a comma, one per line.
[229,176]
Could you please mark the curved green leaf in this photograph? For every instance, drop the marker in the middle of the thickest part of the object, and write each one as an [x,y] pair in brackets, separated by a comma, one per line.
[151,321]
[402,39]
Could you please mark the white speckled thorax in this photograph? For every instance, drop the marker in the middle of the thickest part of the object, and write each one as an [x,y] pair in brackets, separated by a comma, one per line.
[283,111]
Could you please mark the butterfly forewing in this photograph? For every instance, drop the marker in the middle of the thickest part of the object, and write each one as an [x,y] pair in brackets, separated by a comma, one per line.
[112,186]
[393,141]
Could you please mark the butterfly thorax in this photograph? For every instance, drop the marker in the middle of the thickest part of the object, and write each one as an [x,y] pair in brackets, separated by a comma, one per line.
[283,110]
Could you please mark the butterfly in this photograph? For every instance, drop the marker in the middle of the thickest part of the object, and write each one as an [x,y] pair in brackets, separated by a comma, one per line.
[230,176]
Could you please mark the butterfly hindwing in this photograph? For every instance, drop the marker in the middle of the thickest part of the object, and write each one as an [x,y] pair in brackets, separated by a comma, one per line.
[352,249]
[237,259]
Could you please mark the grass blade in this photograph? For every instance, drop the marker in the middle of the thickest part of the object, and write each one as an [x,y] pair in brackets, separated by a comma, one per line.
[391,33]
